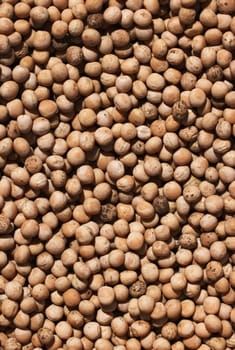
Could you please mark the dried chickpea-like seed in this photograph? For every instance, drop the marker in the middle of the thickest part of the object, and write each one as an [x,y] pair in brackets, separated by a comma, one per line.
[121,113]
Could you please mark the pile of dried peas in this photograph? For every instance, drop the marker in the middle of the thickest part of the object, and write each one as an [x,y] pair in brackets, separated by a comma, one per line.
[117,189]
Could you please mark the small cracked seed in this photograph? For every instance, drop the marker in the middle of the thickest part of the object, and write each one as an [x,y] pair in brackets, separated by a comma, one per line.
[137,289]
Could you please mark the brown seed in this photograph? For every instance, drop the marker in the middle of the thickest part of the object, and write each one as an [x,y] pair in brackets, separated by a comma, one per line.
[161,205]
[45,336]
[137,289]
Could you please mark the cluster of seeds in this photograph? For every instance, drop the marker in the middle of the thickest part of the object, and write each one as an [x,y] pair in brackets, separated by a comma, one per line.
[117,189]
